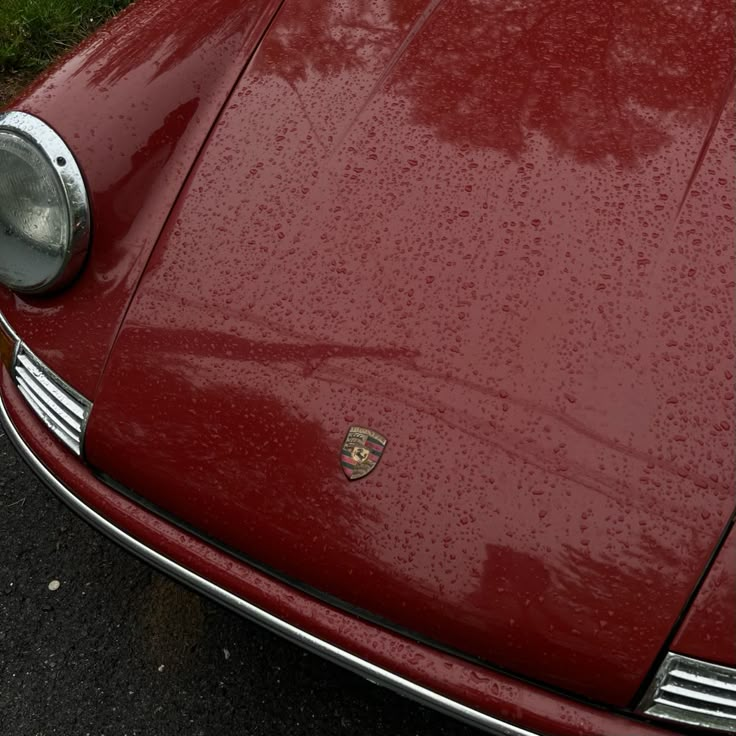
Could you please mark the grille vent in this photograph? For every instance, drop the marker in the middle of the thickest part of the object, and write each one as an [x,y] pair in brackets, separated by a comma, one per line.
[60,407]
[693,692]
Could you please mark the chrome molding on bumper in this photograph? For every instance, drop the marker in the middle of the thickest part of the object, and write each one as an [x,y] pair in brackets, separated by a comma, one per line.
[318,646]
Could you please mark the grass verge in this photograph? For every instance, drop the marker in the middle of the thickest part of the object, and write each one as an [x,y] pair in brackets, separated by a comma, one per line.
[35,32]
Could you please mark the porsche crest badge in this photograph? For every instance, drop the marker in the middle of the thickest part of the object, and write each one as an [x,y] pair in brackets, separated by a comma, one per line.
[361,452]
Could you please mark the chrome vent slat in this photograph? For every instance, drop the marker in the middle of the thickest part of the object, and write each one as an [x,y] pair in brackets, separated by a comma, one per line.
[49,416]
[696,708]
[693,692]
[58,406]
[676,714]
[54,390]
[705,696]
[25,378]
[62,434]
[702,680]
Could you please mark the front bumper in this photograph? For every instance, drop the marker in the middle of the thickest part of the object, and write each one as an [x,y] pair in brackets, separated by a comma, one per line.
[456,687]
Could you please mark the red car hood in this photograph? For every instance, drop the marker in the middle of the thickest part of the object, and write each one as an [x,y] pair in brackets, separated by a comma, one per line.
[500,234]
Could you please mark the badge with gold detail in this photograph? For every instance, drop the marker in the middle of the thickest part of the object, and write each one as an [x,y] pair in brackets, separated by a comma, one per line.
[361,452]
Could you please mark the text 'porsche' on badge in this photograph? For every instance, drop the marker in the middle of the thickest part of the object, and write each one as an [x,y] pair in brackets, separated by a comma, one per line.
[361,452]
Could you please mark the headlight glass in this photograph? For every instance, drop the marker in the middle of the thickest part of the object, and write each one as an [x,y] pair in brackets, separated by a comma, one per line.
[44,215]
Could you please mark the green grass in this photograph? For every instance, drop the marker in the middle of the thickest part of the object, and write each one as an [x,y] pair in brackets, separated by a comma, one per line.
[34,32]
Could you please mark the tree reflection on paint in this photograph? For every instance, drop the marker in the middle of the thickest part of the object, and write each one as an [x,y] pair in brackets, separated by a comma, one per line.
[593,78]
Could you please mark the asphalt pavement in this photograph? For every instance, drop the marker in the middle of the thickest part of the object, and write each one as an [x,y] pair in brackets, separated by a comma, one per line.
[116,649]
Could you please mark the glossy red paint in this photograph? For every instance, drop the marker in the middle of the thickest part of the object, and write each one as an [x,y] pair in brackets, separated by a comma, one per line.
[502,236]
[709,629]
[135,103]
[476,686]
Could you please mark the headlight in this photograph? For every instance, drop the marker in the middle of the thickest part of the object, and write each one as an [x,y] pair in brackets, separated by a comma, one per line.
[44,210]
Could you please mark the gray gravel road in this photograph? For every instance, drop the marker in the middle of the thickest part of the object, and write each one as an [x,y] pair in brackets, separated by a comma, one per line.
[120,650]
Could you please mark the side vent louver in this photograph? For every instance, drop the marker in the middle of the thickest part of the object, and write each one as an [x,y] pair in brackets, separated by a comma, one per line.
[60,408]
[693,692]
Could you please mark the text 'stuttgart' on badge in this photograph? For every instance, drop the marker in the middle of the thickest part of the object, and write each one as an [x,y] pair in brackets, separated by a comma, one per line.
[361,452]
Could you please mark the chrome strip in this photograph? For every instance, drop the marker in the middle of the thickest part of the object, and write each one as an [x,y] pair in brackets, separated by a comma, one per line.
[693,692]
[53,426]
[703,680]
[62,409]
[35,386]
[366,669]
[699,709]
[706,697]
[33,366]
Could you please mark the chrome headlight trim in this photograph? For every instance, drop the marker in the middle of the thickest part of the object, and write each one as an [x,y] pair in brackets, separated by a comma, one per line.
[63,163]
[693,692]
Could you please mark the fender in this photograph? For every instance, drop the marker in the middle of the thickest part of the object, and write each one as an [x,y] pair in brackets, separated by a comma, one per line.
[135,103]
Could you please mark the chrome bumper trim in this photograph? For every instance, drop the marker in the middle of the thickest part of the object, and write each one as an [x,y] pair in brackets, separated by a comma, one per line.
[366,669]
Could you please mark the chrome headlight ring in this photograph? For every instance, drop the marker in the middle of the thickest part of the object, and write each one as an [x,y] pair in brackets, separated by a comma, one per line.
[64,259]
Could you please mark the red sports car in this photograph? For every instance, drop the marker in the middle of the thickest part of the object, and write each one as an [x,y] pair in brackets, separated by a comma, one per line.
[405,328]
